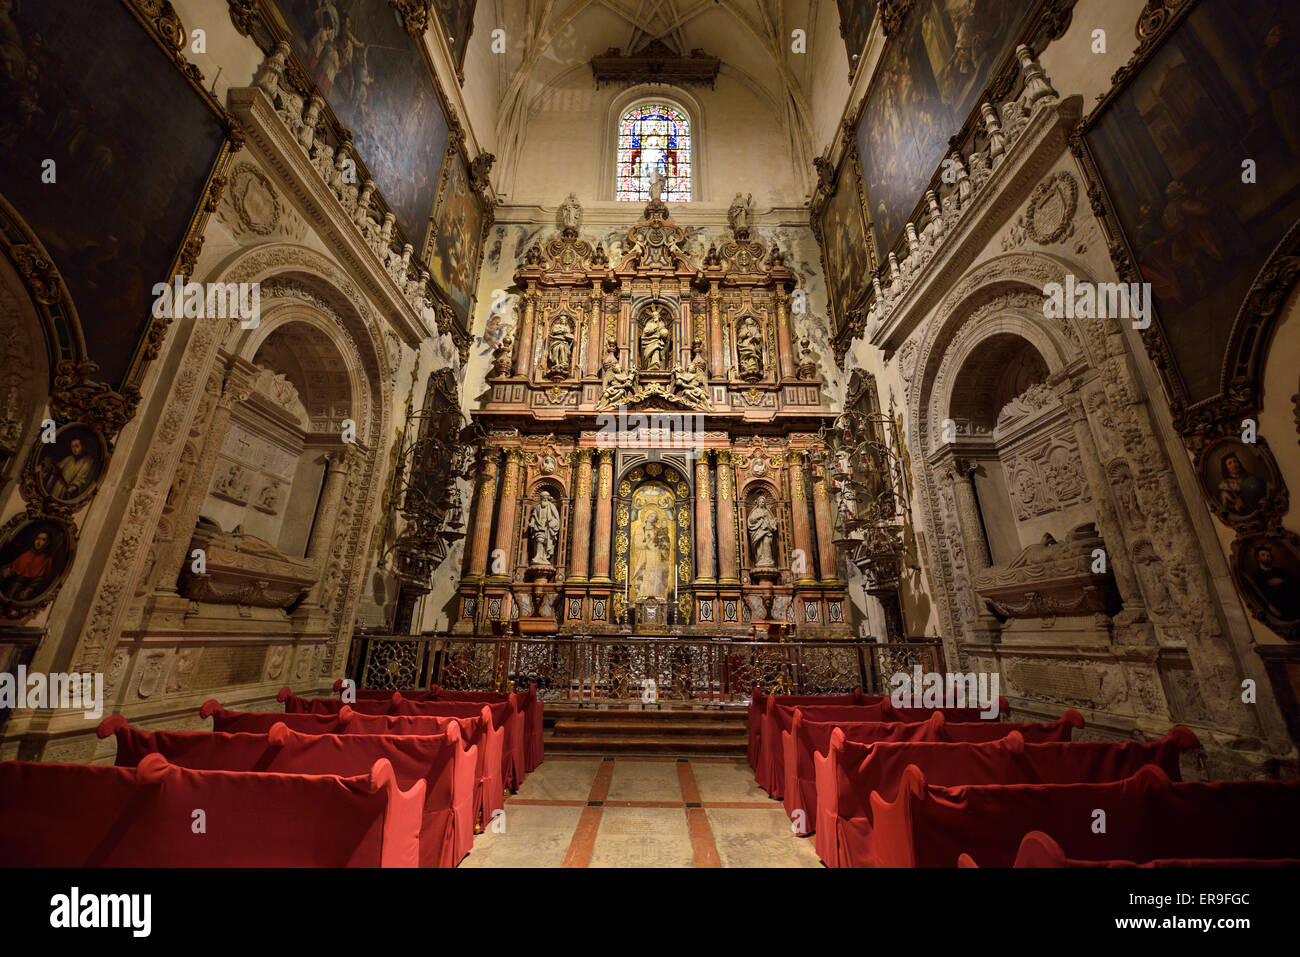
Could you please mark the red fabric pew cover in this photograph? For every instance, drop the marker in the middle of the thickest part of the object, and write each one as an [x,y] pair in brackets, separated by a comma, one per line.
[490,768]
[758,707]
[262,721]
[505,714]
[1148,818]
[866,773]
[814,741]
[79,815]
[770,773]
[529,701]
[440,760]
[1040,850]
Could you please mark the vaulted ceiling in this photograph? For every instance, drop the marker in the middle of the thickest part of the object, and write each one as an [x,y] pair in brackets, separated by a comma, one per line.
[751,37]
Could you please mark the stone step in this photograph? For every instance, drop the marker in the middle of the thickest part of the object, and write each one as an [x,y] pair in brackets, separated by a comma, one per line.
[649,716]
[715,746]
[620,727]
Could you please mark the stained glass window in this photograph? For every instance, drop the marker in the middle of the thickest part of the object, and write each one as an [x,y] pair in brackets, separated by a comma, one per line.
[654,138]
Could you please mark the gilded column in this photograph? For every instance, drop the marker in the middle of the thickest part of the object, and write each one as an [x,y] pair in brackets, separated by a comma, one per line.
[728,565]
[703,522]
[823,513]
[715,333]
[602,531]
[524,339]
[506,510]
[783,339]
[581,536]
[484,501]
[799,518]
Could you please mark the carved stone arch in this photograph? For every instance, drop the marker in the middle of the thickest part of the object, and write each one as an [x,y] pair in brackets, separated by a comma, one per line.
[282,317]
[295,269]
[1009,286]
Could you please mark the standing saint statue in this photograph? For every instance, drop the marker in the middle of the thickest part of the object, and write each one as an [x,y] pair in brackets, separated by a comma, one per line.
[559,345]
[544,530]
[762,534]
[569,215]
[654,340]
[749,348]
[738,213]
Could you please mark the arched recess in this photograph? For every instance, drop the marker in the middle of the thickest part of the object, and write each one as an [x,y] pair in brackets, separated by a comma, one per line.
[749,494]
[981,405]
[653,538]
[560,499]
[285,465]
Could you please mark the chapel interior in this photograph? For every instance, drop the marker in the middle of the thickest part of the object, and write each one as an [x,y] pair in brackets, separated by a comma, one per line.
[627,366]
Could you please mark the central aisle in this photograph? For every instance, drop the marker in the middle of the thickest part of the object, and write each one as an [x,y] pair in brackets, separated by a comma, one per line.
[642,812]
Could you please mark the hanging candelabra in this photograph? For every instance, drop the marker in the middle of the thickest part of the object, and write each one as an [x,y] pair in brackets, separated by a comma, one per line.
[864,464]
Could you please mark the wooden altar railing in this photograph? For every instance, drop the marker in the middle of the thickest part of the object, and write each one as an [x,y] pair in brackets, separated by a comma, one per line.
[619,668]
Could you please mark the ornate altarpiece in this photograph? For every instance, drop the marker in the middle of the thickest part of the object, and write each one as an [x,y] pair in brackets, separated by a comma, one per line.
[655,398]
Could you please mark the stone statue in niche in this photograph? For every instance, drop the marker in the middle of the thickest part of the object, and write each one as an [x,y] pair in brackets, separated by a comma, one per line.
[617,386]
[559,347]
[749,348]
[569,217]
[654,340]
[691,385]
[762,534]
[740,214]
[544,530]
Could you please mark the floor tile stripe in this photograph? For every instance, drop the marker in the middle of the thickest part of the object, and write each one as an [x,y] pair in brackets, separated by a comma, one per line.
[703,845]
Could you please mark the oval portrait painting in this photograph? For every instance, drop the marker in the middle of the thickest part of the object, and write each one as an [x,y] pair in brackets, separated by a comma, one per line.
[1239,479]
[1268,571]
[69,469]
[34,557]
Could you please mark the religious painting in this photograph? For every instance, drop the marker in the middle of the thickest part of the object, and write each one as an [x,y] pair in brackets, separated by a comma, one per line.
[652,541]
[457,20]
[69,469]
[653,554]
[35,554]
[929,79]
[856,17]
[1170,147]
[95,116]
[1240,480]
[844,241]
[1267,569]
[375,78]
[456,236]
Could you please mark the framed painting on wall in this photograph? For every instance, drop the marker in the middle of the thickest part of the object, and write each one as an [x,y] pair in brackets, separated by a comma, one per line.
[457,20]
[847,255]
[1168,145]
[96,114]
[456,234]
[377,81]
[931,76]
[856,17]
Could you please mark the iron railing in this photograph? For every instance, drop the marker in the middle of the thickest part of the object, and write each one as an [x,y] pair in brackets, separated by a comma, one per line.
[699,670]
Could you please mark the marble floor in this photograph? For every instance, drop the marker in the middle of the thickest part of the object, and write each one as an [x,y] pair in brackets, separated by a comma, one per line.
[641,812]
